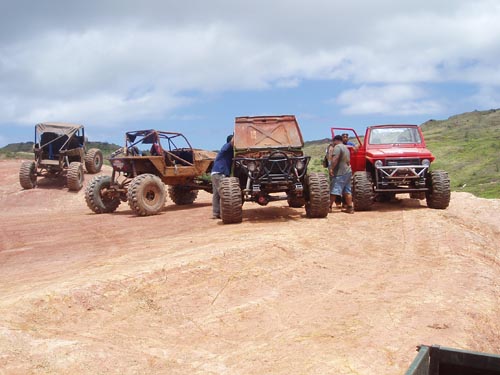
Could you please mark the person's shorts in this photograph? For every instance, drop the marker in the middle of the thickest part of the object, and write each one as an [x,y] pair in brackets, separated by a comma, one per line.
[341,184]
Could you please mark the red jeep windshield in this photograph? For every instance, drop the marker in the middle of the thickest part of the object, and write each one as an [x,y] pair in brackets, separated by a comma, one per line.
[400,135]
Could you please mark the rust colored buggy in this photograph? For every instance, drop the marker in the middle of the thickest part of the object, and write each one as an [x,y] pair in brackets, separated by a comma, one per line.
[150,160]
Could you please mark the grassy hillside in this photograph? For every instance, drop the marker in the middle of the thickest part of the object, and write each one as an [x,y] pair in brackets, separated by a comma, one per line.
[467,146]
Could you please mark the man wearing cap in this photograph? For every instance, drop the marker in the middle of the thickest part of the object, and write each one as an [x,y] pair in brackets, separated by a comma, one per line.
[341,173]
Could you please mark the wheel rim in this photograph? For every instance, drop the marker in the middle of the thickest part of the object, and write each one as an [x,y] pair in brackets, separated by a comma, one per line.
[152,195]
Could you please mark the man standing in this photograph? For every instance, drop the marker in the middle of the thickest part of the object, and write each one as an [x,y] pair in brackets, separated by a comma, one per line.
[221,168]
[341,173]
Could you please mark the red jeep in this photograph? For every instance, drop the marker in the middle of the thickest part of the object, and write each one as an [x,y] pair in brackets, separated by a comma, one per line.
[393,159]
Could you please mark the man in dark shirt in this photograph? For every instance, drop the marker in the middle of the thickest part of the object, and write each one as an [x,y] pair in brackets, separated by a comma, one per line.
[221,168]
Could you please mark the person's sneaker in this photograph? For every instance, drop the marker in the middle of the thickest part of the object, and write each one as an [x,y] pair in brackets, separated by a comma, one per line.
[215,216]
[349,210]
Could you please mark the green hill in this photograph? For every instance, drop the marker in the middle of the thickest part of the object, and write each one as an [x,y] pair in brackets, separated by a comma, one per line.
[467,146]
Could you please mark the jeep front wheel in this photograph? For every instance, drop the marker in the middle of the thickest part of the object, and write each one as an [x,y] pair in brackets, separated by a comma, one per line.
[438,195]
[99,197]
[318,195]
[181,195]
[74,178]
[362,191]
[146,195]
[231,203]
[93,161]
[27,175]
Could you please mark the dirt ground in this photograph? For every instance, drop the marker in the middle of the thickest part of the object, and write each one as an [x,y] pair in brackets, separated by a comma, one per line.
[180,293]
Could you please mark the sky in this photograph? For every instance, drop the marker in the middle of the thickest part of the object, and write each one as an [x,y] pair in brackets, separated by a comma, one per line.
[192,66]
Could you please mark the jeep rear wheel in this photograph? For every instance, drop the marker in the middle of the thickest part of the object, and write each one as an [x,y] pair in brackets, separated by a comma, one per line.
[438,195]
[181,195]
[98,195]
[93,161]
[362,191]
[231,203]
[27,175]
[74,178]
[146,195]
[294,201]
[318,195]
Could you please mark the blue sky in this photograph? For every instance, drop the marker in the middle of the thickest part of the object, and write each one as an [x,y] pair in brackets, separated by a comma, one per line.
[193,66]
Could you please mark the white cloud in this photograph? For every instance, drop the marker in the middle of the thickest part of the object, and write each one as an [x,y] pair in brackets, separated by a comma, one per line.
[390,99]
[111,63]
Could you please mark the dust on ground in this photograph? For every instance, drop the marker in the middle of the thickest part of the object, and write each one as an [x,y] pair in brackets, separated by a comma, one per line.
[179,293]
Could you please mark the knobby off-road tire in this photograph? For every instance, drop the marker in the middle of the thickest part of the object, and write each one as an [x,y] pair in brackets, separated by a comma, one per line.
[181,195]
[231,203]
[318,195]
[362,191]
[74,178]
[146,195]
[97,197]
[27,175]
[93,161]
[294,201]
[438,195]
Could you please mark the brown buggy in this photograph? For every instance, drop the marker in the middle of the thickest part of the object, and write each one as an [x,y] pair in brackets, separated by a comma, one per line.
[150,160]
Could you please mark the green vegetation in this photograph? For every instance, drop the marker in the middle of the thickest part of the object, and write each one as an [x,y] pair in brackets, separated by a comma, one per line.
[467,146]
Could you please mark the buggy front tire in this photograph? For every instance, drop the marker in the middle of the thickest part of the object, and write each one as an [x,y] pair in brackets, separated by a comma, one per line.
[27,175]
[146,195]
[231,202]
[93,161]
[74,177]
[99,197]
[318,195]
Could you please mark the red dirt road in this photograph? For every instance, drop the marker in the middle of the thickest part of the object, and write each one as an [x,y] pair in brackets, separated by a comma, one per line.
[179,293]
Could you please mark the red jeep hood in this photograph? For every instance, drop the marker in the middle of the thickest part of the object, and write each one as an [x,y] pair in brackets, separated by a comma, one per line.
[399,152]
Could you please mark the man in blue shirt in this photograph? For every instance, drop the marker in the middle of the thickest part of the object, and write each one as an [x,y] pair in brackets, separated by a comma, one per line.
[221,168]
[346,141]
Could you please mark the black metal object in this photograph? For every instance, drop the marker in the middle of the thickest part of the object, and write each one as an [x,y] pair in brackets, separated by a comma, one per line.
[437,360]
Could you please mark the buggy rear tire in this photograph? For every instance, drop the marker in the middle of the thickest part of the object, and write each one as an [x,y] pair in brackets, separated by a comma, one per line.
[98,198]
[182,195]
[438,195]
[93,161]
[362,191]
[74,177]
[231,202]
[146,195]
[318,195]
[27,175]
